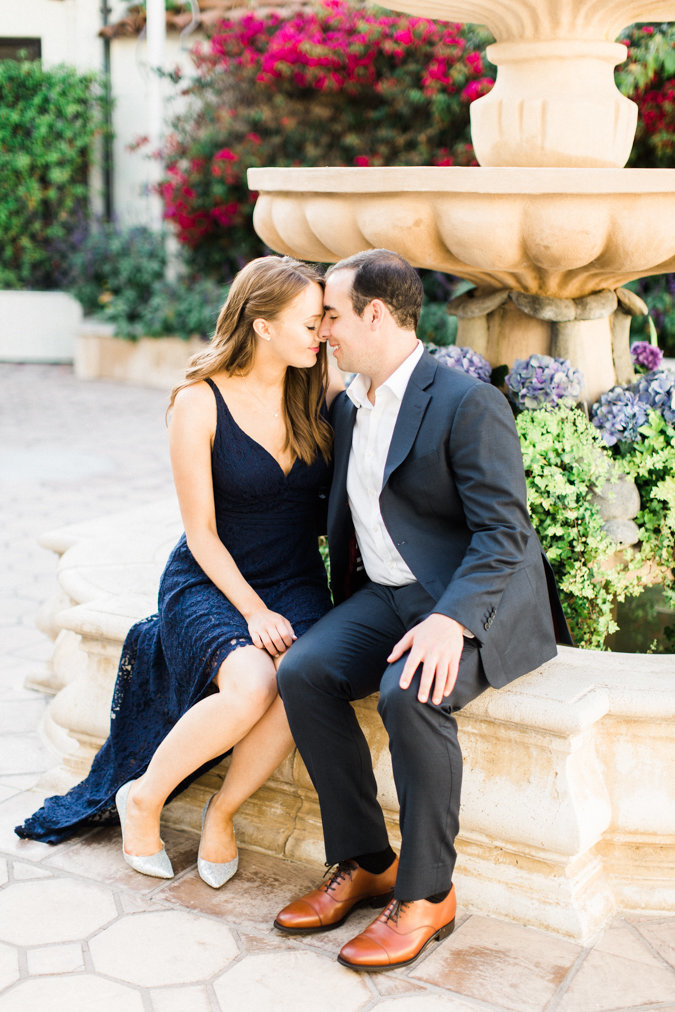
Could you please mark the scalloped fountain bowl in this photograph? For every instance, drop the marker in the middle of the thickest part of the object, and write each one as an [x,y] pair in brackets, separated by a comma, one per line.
[557,232]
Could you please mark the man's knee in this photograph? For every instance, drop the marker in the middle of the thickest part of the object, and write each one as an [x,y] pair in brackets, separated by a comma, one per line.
[395,702]
[299,668]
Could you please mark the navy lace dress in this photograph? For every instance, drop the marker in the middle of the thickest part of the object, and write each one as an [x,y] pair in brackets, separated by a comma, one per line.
[270,523]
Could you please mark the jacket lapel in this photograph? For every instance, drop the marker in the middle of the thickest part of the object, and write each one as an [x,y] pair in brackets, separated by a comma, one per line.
[345,416]
[413,406]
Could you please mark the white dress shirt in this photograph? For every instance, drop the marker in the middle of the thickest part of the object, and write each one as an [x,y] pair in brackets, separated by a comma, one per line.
[373,429]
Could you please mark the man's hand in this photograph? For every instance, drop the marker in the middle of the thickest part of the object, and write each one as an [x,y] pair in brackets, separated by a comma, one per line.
[436,644]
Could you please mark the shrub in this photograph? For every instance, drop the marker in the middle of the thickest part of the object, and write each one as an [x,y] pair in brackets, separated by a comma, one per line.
[564,467]
[648,78]
[334,86]
[436,326]
[659,294]
[110,264]
[49,120]
[567,460]
[118,274]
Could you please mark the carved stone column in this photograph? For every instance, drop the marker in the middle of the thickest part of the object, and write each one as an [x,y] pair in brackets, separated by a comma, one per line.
[591,331]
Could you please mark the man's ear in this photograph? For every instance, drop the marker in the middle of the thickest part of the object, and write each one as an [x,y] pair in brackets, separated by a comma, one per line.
[376,312]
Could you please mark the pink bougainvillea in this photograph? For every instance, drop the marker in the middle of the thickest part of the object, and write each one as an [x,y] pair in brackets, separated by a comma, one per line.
[336,85]
[347,85]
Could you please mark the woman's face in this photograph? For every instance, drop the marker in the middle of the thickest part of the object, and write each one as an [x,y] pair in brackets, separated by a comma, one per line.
[294,334]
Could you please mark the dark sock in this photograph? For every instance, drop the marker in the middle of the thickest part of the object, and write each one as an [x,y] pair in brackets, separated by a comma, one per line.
[437,897]
[377,862]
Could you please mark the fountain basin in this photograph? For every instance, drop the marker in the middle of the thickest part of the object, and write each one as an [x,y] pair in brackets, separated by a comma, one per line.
[564,232]
[568,813]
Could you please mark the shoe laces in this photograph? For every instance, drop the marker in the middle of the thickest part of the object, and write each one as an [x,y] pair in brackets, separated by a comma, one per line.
[393,910]
[338,873]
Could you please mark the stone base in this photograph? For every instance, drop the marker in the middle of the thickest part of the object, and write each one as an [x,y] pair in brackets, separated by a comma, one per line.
[568,812]
[157,362]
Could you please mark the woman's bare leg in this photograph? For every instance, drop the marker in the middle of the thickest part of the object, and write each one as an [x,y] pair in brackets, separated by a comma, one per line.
[247,687]
[254,760]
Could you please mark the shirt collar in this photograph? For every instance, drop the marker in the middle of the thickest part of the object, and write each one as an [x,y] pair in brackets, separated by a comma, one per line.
[358,389]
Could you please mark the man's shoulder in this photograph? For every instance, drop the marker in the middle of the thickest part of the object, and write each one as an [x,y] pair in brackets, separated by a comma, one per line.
[448,381]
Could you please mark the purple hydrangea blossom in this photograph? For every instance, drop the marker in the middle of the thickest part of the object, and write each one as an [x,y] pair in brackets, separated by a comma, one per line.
[619,414]
[657,390]
[541,381]
[466,359]
[646,356]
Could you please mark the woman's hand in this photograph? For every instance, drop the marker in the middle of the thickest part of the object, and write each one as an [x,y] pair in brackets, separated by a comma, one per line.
[270,631]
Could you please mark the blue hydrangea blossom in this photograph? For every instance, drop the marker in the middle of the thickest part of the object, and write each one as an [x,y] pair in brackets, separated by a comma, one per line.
[542,381]
[466,359]
[657,390]
[618,414]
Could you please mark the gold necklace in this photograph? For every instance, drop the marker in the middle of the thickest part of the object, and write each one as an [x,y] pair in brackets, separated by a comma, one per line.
[265,407]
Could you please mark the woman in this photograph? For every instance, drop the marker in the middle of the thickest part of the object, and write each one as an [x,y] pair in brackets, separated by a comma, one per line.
[250,447]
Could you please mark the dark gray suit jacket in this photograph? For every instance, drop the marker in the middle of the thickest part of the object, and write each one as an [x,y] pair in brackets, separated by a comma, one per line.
[454,502]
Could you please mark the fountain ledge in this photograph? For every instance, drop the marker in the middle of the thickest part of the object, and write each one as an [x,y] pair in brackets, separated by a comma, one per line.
[562,231]
[568,814]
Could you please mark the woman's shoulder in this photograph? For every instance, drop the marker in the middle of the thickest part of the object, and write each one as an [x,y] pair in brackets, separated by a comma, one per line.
[195,403]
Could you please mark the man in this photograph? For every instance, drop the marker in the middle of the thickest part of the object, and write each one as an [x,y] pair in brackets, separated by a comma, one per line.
[428,475]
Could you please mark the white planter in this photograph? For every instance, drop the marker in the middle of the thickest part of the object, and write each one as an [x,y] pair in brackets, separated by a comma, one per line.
[157,362]
[38,326]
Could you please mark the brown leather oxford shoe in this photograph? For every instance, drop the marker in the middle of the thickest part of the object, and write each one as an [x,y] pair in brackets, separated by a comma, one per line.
[348,887]
[400,934]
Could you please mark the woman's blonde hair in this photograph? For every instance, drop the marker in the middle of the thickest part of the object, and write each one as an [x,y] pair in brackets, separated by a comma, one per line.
[261,290]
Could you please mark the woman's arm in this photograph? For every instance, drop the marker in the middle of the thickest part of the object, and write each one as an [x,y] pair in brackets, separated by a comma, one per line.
[191,431]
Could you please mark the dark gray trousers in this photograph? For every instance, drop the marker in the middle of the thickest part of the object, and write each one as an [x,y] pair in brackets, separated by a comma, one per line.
[344,657]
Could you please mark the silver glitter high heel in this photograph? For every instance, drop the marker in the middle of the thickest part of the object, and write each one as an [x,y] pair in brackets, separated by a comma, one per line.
[215,873]
[157,865]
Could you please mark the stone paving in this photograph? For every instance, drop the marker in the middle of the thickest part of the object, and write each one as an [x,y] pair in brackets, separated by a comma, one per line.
[79,930]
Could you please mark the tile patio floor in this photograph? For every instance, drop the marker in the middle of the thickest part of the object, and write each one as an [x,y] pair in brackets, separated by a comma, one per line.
[80,931]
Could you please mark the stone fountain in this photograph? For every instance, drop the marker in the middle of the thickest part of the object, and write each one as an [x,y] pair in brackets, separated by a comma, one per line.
[568,813]
[548,227]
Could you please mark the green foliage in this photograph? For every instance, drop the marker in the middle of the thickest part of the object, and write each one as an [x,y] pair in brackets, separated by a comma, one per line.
[651,464]
[436,326]
[565,464]
[188,307]
[659,294]
[118,275]
[48,122]
[111,263]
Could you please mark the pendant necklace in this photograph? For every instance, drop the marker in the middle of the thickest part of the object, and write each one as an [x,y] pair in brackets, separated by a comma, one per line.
[265,407]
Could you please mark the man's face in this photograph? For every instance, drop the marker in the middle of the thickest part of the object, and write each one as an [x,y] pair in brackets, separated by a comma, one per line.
[347,334]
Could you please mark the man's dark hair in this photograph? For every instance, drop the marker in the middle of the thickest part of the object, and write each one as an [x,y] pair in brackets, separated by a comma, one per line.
[382,274]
